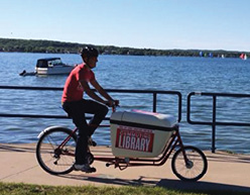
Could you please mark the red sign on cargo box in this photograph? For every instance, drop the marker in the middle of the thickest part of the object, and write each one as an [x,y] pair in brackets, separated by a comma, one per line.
[133,138]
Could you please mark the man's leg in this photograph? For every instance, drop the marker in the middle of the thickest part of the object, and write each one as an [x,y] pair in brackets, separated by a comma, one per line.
[76,112]
[99,111]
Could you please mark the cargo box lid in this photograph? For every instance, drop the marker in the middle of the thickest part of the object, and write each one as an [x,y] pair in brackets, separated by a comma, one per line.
[144,119]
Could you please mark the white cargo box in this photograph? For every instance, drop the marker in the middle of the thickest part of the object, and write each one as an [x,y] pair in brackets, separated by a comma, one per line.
[140,134]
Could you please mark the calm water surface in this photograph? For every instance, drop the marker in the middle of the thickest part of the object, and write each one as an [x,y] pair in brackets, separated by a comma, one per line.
[183,74]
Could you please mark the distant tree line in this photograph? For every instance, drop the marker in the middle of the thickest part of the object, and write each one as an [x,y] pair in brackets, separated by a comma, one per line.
[45,46]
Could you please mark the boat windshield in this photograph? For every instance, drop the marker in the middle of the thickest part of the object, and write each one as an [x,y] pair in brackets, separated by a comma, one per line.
[55,62]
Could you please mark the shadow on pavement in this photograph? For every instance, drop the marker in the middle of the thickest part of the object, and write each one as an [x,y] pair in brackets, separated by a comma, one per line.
[17,148]
[110,179]
[220,156]
[165,183]
[200,186]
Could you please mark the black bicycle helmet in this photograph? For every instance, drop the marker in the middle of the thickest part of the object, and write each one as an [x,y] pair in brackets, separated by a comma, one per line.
[89,51]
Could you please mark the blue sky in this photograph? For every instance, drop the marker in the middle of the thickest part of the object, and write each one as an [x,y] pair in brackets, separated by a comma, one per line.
[158,24]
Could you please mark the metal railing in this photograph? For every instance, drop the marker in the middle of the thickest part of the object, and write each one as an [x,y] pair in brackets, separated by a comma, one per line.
[154,93]
[214,121]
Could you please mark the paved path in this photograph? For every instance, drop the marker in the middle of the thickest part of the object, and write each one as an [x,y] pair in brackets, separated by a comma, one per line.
[226,172]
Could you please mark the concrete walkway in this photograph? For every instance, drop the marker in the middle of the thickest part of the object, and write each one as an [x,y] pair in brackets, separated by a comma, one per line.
[225,172]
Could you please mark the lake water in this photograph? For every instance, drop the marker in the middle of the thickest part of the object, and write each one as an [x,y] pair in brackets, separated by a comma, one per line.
[183,74]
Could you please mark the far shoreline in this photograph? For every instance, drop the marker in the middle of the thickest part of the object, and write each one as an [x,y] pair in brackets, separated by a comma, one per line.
[57,47]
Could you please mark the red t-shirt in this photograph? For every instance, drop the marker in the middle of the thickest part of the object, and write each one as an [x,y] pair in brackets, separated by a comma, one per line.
[73,90]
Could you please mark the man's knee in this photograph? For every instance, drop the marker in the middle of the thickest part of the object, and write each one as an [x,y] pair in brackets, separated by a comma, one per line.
[105,110]
[102,110]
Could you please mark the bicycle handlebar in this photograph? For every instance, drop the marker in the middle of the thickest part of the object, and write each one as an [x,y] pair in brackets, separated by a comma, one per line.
[114,106]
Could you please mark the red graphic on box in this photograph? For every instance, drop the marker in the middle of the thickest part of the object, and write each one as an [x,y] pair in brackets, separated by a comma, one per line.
[133,138]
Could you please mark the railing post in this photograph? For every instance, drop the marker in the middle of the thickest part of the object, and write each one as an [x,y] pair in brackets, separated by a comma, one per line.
[214,124]
[154,101]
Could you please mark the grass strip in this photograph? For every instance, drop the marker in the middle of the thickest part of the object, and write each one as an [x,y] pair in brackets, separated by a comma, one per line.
[31,189]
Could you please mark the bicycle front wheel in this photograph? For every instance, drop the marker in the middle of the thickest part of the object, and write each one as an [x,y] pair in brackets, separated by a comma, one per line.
[55,153]
[194,168]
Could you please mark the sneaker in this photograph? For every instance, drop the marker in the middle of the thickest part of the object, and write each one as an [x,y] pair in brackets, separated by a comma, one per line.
[85,168]
[91,142]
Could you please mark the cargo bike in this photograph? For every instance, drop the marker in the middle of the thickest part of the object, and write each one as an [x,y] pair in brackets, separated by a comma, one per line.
[138,138]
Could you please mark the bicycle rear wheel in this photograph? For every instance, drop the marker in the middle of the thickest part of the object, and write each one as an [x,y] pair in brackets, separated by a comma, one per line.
[194,169]
[52,158]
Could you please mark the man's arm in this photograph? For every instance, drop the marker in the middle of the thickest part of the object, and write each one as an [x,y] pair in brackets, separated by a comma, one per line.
[103,93]
[91,93]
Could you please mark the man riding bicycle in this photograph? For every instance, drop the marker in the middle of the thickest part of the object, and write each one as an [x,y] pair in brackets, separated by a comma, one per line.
[73,103]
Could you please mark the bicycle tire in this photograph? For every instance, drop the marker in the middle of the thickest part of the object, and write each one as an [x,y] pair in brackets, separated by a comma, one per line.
[52,160]
[196,167]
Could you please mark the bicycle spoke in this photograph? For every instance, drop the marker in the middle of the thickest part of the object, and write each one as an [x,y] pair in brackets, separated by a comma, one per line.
[53,159]
[192,170]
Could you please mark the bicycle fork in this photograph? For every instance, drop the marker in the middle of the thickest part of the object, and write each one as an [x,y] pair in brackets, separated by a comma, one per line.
[188,163]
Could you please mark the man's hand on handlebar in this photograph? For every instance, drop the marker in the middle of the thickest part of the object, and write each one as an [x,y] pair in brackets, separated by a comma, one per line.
[112,103]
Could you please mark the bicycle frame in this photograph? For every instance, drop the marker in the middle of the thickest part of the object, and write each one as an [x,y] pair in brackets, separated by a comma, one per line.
[123,163]
[68,138]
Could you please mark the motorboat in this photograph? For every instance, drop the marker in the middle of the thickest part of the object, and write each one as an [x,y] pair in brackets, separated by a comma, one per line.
[52,66]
